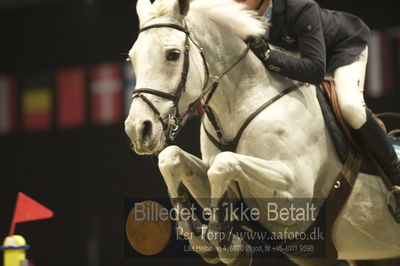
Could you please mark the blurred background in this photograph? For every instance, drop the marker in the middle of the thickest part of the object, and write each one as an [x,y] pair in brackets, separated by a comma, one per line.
[64,94]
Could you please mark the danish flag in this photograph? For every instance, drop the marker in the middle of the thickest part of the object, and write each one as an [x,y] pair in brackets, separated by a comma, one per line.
[106,93]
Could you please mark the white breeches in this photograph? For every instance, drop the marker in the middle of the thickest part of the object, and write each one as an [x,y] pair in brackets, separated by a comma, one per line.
[349,81]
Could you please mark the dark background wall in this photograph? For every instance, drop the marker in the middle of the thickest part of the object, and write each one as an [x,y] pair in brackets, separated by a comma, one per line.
[84,174]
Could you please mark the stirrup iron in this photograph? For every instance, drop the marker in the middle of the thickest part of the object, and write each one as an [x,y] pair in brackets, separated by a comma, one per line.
[393,203]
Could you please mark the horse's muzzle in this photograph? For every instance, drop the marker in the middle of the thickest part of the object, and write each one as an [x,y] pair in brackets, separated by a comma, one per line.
[143,136]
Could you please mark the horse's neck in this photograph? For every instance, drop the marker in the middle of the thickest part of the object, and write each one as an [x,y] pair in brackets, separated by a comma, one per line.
[244,88]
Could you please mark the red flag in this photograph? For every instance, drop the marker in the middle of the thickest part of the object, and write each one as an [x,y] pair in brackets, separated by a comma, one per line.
[386,63]
[27,209]
[106,91]
[374,88]
[71,98]
[380,79]
[7,104]
[397,60]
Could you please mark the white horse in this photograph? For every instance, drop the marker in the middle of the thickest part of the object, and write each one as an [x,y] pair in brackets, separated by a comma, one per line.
[285,152]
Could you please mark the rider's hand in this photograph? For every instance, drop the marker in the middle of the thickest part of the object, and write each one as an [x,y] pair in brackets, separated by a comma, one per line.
[259,46]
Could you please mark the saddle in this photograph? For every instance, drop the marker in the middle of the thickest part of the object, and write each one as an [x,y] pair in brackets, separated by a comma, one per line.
[350,153]
[342,134]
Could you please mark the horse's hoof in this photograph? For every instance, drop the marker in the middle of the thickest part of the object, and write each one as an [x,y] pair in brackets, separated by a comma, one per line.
[241,256]
[221,229]
[204,248]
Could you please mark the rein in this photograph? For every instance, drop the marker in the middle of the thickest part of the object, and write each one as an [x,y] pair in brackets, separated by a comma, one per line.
[175,121]
[232,145]
[260,4]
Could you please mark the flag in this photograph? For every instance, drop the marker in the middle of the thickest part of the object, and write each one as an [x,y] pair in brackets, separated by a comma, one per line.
[8,105]
[387,63]
[106,93]
[130,83]
[36,108]
[380,78]
[27,209]
[374,77]
[71,98]
[397,59]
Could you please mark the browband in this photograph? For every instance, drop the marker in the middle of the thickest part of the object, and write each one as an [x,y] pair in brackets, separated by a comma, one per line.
[165,25]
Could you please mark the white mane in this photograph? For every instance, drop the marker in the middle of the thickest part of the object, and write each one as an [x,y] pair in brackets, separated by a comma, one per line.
[229,14]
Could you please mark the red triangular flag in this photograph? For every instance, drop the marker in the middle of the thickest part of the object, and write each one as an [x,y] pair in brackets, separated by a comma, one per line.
[28,209]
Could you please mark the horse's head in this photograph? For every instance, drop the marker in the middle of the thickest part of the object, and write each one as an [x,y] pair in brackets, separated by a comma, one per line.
[166,84]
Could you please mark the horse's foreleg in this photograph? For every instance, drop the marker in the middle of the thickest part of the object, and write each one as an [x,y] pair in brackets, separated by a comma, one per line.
[179,167]
[181,172]
[265,179]
[258,178]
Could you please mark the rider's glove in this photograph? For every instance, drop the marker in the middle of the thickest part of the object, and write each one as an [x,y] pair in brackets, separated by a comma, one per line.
[260,47]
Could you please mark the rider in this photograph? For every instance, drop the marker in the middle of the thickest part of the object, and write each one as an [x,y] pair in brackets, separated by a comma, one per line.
[333,43]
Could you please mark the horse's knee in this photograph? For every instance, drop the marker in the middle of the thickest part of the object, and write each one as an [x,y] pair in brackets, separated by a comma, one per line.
[170,158]
[353,113]
[224,165]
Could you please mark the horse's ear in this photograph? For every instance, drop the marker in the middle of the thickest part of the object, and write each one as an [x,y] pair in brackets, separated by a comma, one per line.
[182,6]
[143,8]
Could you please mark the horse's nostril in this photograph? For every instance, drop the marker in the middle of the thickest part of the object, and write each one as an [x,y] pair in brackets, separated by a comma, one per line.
[146,130]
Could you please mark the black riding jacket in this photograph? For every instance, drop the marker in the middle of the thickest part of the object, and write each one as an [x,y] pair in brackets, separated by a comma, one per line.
[326,39]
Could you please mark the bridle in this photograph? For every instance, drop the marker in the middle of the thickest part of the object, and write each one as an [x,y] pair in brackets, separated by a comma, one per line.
[175,121]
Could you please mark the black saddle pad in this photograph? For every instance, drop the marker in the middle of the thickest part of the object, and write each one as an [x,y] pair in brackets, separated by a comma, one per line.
[342,145]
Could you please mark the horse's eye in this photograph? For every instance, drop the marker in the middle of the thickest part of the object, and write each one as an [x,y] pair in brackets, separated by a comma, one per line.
[173,55]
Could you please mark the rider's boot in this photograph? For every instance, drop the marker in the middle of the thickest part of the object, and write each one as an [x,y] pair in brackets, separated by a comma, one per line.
[375,140]
[378,144]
